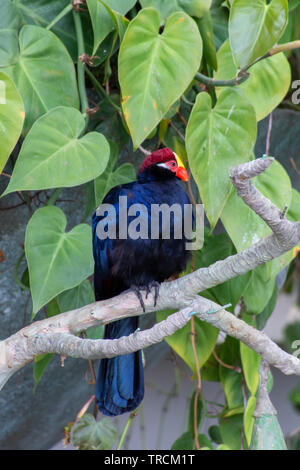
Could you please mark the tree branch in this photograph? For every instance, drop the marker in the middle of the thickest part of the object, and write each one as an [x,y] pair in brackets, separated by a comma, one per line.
[56,334]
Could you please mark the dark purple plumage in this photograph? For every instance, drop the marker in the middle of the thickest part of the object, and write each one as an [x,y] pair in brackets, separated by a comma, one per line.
[121,264]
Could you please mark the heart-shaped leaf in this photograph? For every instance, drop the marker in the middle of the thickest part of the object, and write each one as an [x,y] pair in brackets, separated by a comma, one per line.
[89,434]
[53,155]
[254,27]
[38,12]
[112,176]
[217,139]
[43,72]
[11,117]
[10,23]
[57,260]
[149,64]
[101,19]
[196,8]
[267,85]
[180,341]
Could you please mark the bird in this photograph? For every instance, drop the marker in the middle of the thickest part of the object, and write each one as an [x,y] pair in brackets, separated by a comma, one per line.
[134,263]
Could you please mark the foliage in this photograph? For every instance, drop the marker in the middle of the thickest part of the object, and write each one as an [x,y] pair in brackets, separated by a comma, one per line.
[97,83]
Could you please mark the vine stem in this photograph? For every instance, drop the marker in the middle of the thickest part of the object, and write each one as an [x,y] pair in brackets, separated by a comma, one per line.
[100,90]
[125,430]
[243,74]
[80,65]
[60,15]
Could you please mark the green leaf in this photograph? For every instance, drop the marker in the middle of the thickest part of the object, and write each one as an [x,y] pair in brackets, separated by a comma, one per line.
[204,442]
[148,68]
[77,297]
[262,317]
[40,13]
[89,434]
[185,442]
[260,288]
[196,8]
[39,367]
[53,154]
[101,19]
[267,85]
[215,434]
[10,23]
[11,117]
[57,260]
[44,73]
[217,139]
[219,16]
[231,431]
[180,341]
[248,418]
[120,21]
[231,380]
[112,177]
[254,27]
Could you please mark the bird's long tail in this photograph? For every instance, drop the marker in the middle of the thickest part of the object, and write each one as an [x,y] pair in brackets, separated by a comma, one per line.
[120,380]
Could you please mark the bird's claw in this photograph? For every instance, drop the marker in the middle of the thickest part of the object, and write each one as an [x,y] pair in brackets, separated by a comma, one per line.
[137,290]
[152,284]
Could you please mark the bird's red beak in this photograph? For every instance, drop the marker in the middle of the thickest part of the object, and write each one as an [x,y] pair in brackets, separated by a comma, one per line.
[182,173]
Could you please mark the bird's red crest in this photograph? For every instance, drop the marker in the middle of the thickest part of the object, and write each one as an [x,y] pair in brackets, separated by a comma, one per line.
[160,156]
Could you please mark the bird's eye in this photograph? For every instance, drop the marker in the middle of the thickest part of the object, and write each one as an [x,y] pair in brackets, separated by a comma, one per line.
[173,164]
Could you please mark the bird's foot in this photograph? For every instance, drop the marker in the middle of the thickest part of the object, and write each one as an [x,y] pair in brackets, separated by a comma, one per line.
[137,290]
[152,284]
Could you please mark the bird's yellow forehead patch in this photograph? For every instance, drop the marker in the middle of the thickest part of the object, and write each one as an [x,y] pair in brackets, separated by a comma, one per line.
[179,162]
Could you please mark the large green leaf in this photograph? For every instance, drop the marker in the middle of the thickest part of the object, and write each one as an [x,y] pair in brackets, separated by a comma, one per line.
[149,65]
[53,154]
[10,23]
[267,85]
[101,19]
[44,73]
[89,434]
[112,176]
[206,337]
[57,260]
[166,7]
[254,27]
[42,12]
[217,139]
[11,117]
